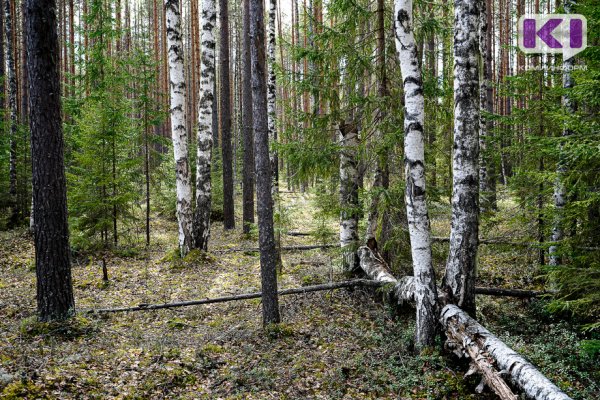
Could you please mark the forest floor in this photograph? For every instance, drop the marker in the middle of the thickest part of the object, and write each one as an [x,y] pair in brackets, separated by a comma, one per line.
[340,344]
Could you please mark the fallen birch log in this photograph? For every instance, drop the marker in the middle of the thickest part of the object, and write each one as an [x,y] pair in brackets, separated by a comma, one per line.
[467,332]
[492,358]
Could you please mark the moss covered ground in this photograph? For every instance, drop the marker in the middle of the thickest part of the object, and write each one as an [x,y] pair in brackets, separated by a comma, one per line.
[341,344]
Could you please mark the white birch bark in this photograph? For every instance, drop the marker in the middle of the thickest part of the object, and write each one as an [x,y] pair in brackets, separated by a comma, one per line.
[348,194]
[414,164]
[521,372]
[178,130]
[272,94]
[459,281]
[466,337]
[208,20]
[560,191]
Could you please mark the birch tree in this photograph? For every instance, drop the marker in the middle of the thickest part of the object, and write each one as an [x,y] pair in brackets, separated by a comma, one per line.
[272,94]
[348,140]
[208,21]
[51,231]
[178,130]
[248,171]
[560,190]
[459,280]
[266,236]
[414,166]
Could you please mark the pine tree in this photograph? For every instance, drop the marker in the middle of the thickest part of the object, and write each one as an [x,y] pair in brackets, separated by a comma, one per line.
[248,170]
[225,114]
[12,104]
[266,236]
[51,232]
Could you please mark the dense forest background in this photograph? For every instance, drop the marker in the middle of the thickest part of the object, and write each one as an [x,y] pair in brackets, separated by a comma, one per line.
[335,109]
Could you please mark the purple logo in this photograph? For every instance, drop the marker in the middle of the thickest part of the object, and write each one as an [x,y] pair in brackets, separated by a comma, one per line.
[553,33]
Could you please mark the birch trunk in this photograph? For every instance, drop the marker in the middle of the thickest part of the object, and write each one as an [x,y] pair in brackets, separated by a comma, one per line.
[560,190]
[266,236]
[414,164]
[459,281]
[272,96]
[348,138]
[248,178]
[208,21]
[12,104]
[178,130]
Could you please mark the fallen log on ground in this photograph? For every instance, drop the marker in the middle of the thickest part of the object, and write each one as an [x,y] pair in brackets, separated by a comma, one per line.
[294,233]
[404,291]
[284,248]
[467,332]
[471,339]
[501,241]
[245,296]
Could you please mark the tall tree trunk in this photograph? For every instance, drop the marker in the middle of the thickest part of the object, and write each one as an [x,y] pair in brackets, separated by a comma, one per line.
[24,80]
[348,140]
[560,189]
[414,166]
[178,131]
[228,207]
[459,281]
[382,172]
[3,85]
[248,178]
[12,104]
[272,95]
[487,185]
[208,21]
[266,236]
[51,232]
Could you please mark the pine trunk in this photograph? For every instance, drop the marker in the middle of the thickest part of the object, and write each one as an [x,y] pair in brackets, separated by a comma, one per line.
[208,20]
[225,96]
[266,237]
[248,172]
[382,172]
[12,104]
[414,164]
[459,281]
[178,130]
[51,232]
[486,185]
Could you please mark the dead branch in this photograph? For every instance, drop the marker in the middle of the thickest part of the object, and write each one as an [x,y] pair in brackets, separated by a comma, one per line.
[246,296]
